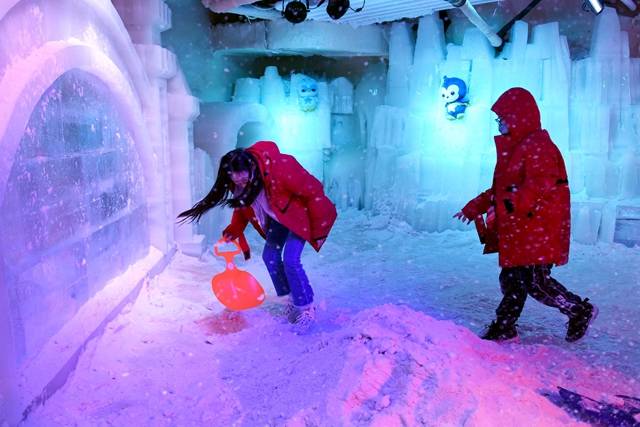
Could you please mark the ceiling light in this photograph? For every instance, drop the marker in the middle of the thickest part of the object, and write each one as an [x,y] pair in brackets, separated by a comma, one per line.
[337,8]
[296,11]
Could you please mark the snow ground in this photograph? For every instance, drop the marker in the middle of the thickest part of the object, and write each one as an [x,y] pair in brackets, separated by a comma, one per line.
[391,346]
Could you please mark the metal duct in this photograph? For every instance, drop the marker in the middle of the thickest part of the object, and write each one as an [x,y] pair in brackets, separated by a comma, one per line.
[471,14]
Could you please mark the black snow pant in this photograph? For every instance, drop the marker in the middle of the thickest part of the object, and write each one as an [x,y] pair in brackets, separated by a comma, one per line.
[535,280]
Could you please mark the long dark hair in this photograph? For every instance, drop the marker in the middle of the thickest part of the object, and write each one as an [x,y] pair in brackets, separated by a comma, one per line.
[223,192]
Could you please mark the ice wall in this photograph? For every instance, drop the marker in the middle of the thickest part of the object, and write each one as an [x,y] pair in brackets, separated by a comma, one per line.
[94,158]
[303,134]
[270,108]
[369,93]
[344,174]
[605,134]
[400,60]
[425,167]
[74,213]
[424,164]
[328,138]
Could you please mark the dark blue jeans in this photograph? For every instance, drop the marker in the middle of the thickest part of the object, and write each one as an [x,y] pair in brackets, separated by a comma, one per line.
[286,272]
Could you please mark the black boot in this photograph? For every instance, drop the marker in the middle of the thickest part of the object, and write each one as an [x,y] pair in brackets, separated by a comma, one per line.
[500,331]
[579,320]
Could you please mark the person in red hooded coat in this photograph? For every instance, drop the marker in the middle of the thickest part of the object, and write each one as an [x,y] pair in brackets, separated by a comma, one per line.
[528,214]
[288,208]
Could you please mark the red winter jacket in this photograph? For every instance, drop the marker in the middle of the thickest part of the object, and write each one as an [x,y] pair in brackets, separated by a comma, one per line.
[530,191]
[296,197]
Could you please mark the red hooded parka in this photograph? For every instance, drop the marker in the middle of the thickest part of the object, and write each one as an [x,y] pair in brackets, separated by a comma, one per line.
[530,191]
[296,197]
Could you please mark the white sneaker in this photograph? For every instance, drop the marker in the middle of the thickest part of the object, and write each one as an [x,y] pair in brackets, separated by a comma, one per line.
[290,312]
[280,307]
[305,319]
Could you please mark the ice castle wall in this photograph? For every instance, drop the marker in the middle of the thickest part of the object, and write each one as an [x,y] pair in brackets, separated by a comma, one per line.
[427,167]
[96,157]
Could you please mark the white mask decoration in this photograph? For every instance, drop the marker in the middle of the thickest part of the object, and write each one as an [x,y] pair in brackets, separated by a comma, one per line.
[308,94]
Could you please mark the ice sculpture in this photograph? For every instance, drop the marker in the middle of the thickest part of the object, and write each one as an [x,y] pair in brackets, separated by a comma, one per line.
[75,213]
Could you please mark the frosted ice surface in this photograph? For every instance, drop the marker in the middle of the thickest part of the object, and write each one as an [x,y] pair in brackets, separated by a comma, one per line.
[606,39]
[400,61]
[342,96]
[272,88]
[74,214]
[247,90]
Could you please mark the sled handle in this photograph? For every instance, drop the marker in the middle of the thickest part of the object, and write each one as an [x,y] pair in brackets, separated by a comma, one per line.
[228,255]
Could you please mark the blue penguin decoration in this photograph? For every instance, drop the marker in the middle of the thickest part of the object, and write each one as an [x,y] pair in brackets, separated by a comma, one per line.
[454,94]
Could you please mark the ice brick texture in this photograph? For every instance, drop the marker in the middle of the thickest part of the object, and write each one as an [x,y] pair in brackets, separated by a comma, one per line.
[74,213]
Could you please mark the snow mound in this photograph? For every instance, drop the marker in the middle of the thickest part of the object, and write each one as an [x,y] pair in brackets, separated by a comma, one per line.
[402,367]
[175,357]
[391,365]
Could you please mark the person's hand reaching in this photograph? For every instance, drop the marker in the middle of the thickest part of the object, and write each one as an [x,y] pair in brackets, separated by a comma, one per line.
[229,234]
[462,217]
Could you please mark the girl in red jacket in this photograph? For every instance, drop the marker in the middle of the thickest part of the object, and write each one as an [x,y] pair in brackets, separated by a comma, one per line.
[528,219]
[285,204]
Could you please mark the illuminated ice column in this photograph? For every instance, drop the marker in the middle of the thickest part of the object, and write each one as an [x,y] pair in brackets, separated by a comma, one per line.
[247,90]
[476,136]
[601,124]
[145,20]
[341,91]
[552,49]
[610,49]
[324,114]
[305,122]
[605,90]
[344,174]
[369,93]
[272,94]
[184,108]
[322,140]
[429,53]
[400,61]
[273,98]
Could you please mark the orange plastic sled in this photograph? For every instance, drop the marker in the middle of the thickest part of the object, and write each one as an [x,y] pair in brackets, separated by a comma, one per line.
[235,289]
